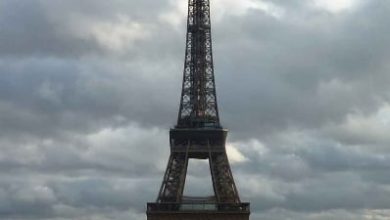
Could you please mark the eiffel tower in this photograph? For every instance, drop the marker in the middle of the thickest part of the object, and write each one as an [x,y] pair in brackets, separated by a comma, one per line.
[198,135]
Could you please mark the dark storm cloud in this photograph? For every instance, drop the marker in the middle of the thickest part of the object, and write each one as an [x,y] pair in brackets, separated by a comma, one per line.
[89,89]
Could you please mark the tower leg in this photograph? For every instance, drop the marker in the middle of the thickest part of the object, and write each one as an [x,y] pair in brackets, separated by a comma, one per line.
[174,179]
[224,186]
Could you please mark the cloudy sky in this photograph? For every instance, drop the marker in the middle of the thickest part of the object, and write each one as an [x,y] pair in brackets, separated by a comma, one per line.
[89,90]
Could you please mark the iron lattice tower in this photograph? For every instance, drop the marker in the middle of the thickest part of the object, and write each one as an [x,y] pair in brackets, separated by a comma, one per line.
[198,135]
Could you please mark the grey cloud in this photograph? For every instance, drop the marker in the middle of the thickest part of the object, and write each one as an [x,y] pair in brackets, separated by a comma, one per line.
[46,97]
[84,120]
[282,64]
[43,179]
[27,30]
[72,198]
[332,214]
[65,29]
[89,155]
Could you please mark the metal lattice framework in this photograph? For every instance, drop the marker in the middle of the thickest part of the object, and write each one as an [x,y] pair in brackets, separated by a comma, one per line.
[198,134]
[198,106]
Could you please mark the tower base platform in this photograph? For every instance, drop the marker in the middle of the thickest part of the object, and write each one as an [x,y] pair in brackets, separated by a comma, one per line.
[197,211]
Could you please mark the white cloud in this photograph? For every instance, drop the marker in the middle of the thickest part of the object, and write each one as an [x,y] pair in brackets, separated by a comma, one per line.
[240,8]
[111,147]
[377,214]
[235,156]
[35,194]
[219,9]
[118,35]
[177,13]
[335,6]
[264,188]
[367,130]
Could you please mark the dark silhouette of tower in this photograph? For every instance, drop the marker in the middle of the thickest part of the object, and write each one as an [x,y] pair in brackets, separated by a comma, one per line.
[198,135]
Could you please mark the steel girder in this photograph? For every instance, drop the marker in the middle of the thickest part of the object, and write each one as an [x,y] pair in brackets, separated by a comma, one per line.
[198,104]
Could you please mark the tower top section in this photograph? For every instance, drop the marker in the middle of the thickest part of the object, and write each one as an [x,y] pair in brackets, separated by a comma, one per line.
[198,105]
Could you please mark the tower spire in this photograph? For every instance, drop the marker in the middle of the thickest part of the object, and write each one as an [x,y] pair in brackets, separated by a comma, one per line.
[198,105]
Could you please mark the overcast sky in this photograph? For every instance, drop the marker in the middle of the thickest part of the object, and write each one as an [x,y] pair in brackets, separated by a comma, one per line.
[89,90]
